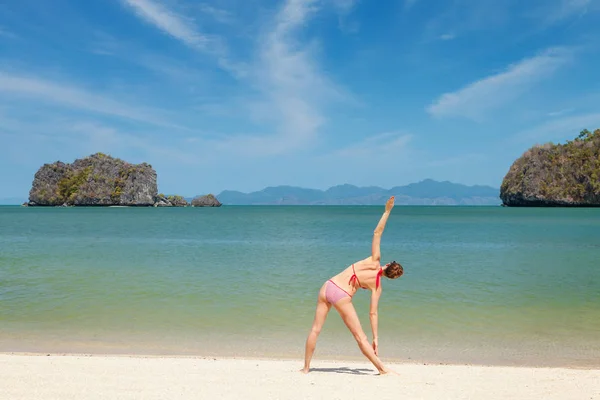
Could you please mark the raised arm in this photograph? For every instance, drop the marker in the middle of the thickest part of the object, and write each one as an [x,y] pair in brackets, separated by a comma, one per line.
[375,247]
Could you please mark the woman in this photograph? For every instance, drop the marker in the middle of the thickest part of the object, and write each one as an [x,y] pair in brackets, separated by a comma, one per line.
[338,292]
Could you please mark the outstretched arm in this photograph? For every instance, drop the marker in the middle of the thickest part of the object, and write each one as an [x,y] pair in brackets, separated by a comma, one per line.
[375,294]
[375,247]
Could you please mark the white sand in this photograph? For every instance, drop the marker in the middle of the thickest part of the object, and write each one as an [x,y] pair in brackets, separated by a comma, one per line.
[119,377]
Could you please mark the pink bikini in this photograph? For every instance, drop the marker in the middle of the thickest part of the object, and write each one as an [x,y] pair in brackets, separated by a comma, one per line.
[333,293]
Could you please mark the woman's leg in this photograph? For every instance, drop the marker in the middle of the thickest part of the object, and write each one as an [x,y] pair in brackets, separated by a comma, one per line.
[348,314]
[323,308]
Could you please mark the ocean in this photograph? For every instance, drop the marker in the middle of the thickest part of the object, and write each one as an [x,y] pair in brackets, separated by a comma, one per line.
[484,285]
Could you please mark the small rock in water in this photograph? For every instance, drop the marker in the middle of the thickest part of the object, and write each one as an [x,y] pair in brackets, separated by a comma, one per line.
[206,201]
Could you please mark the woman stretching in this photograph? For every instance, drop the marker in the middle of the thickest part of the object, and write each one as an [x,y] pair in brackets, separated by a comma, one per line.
[338,292]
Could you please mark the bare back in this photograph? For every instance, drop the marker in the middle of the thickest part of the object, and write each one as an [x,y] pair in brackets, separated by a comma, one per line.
[366,272]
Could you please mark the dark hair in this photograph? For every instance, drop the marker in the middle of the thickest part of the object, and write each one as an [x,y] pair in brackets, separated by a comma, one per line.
[394,270]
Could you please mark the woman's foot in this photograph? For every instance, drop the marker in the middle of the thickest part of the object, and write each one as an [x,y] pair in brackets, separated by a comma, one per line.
[305,370]
[388,372]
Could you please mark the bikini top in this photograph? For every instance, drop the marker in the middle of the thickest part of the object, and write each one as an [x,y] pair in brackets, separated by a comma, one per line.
[355,278]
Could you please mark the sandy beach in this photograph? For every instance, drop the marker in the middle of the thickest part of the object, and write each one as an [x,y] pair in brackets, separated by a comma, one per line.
[139,377]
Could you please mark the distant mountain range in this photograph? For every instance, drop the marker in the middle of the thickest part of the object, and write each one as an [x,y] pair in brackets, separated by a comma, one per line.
[427,192]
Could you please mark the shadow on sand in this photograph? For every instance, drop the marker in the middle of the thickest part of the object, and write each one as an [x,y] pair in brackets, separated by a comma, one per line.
[345,370]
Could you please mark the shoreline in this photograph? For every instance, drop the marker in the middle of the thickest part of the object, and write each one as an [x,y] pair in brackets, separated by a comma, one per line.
[159,377]
[348,360]
[296,359]
[332,346]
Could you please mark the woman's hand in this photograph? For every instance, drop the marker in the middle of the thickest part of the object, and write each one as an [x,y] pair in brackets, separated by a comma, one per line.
[390,204]
[376,347]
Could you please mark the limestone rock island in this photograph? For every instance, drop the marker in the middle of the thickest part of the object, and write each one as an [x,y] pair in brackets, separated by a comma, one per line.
[556,175]
[97,180]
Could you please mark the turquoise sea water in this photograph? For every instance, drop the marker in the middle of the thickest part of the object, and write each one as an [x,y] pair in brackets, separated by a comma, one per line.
[482,284]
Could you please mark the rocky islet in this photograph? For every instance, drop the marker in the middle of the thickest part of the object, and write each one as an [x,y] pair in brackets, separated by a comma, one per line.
[102,180]
[556,175]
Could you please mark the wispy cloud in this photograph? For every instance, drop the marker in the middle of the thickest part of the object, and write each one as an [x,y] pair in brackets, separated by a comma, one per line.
[177,70]
[290,91]
[465,17]
[218,14]
[477,98]
[447,36]
[387,144]
[344,9]
[76,136]
[344,6]
[566,9]
[101,137]
[169,22]
[375,160]
[61,93]
[185,30]
[294,87]
[461,18]
[558,129]
[560,112]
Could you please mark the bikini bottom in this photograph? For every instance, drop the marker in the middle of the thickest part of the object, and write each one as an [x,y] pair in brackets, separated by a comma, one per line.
[333,293]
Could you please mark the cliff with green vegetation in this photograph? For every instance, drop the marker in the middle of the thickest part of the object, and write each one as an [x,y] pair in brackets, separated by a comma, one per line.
[101,180]
[97,180]
[551,175]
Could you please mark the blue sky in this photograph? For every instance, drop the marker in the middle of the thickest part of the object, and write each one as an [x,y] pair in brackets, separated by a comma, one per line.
[243,94]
